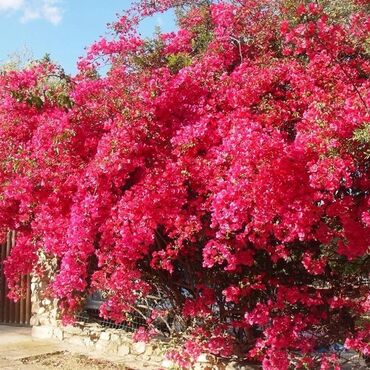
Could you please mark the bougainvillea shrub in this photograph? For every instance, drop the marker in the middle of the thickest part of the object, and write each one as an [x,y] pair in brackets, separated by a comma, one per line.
[216,180]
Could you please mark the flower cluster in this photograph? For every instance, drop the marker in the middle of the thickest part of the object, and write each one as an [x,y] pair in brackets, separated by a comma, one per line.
[220,173]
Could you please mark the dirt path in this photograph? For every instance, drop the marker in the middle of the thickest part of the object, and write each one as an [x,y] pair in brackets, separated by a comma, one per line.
[69,361]
[61,361]
[19,351]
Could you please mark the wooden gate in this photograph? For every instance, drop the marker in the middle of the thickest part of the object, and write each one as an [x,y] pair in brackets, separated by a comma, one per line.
[18,313]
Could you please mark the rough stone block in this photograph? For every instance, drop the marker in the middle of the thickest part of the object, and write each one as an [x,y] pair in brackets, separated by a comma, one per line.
[46,302]
[112,347]
[77,340]
[204,358]
[148,350]
[53,313]
[115,338]
[89,343]
[58,334]
[75,330]
[45,320]
[105,335]
[34,321]
[41,311]
[139,348]
[42,332]
[144,358]
[158,351]
[157,359]
[123,350]
[101,345]
[35,304]
[67,335]
[168,364]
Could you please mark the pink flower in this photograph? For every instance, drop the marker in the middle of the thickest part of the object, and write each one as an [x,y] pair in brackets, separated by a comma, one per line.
[313,266]
[141,335]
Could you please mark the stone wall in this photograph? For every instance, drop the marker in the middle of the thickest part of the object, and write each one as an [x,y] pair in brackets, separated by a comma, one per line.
[116,343]
[94,338]
[44,311]
[86,337]
[97,339]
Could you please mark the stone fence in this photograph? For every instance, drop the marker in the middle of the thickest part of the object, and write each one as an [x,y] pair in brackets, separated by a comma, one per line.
[94,338]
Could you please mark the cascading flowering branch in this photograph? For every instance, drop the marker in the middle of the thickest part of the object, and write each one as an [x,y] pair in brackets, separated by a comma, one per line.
[223,168]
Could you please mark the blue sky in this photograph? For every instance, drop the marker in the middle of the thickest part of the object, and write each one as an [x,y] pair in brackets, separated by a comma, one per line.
[62,28]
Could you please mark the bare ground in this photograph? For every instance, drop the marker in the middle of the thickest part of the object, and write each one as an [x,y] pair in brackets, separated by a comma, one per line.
[68,361]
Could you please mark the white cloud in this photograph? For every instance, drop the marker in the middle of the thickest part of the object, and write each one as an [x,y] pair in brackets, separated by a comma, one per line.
[50,10]
[6,5]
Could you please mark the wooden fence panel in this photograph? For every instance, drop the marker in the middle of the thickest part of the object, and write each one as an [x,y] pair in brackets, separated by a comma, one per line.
[18,313]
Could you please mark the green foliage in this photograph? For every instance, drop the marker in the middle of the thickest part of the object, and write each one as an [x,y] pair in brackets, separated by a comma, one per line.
[362,136]
[339,11]
[18,60]
[52,89]
[175,62]
[152,54]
